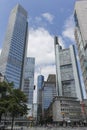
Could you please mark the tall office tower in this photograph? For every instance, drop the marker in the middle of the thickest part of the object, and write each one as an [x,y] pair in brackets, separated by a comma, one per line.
[80,16]
[67,75]
[40,81]
[14,48]
[29,81]
[49,91]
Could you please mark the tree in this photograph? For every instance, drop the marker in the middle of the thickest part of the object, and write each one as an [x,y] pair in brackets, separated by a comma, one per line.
[17,105]
[12,101]
[5,89]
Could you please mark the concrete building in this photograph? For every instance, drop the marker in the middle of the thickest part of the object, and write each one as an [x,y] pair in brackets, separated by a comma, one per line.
[29,81]
[67,76]
[84,110]
[80,16]
[14,48]
[64,109]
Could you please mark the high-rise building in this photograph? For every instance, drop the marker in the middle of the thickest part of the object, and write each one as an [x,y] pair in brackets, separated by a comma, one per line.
[67,75]
[40,81]
[28,86]
[14,48]
[80,16]
[29,78]
[49,91]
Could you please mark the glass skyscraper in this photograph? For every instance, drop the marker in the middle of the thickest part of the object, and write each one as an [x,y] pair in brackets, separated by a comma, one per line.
[14,48]
[48,91]
[29,78]
[28,86]
[80,16]
[40,81]
[67,76]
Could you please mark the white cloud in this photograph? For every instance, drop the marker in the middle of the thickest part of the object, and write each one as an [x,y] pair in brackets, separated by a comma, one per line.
[41,20]
[68,31]
[41,46]
[49,17]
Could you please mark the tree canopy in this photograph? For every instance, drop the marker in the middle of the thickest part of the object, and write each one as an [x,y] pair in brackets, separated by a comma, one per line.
[12,101]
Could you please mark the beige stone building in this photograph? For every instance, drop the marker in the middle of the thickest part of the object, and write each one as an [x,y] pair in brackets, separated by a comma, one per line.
[66,109]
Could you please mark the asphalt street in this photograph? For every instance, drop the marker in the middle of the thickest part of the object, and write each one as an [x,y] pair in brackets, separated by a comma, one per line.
[51,128]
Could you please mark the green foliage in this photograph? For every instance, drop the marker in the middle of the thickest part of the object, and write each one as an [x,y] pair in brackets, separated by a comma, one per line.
[17,103]
[12,100]
[4,91]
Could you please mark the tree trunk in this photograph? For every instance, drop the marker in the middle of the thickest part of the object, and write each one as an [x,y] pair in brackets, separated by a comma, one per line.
[12,122]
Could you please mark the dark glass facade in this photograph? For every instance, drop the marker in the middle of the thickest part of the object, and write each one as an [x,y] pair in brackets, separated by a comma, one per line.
[40,81]
[29,78]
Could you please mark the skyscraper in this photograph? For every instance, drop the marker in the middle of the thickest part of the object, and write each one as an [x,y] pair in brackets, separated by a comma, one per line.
[40,81]
[80,16]
[28,86]
[48,91]
[67,76]
[14,48]
[29,78]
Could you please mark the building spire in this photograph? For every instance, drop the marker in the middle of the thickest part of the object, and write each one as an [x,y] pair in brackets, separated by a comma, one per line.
[56,40]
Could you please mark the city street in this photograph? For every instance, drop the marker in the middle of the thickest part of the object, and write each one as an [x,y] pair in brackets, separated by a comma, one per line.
[67,128]
[51,128]
[81,128]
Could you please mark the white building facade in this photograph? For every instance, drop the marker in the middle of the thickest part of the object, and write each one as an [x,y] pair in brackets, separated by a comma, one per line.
[80,16]
[67,76]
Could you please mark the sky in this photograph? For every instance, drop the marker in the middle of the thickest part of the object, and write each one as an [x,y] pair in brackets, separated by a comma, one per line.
[46,18]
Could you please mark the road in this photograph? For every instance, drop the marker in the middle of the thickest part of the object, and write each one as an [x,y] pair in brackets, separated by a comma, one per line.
[67,128]
[50,128]
[58,128]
